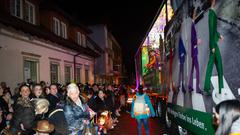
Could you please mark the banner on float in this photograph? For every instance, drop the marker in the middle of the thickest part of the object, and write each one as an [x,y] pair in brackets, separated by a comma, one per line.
[197,122]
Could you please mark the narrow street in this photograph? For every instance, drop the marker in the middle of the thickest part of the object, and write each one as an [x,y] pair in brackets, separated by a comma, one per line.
[128,126]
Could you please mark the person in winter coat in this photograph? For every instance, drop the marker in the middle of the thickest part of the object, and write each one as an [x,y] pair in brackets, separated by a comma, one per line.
[142,109]
[6,108]
[101,104]
[53,97]
[24,114]
[76,111]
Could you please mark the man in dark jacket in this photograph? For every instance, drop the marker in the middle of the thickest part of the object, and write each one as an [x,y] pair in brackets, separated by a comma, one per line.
[53,97]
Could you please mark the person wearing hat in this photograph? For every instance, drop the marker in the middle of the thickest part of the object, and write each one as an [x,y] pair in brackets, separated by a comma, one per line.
[44,128]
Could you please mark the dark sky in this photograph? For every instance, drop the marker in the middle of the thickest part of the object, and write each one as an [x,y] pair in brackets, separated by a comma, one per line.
[128,20]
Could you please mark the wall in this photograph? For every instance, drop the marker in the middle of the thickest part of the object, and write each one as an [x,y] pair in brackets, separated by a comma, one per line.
[11,57]
[99,37]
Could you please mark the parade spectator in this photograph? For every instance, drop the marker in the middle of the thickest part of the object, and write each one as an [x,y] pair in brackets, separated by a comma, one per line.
[6,108]
[110,98]
[24,115]
[41,108]
[227,117]
[75,110]
[95,90]
[91,99]
[53,97]
[101,103]
[16,94]
[1,90]
[2,122]
[57,118]
[44,128]
[142,109]
[38,91]
[3,85]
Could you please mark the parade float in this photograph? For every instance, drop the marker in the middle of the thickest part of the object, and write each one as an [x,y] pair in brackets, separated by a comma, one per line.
[177,60]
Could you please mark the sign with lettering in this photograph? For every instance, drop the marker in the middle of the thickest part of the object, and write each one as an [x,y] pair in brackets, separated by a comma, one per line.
[197,122]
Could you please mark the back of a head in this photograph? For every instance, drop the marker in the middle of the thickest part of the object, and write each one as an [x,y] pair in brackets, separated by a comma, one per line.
[229,111]
[140,90]
[41,105]
[72,87]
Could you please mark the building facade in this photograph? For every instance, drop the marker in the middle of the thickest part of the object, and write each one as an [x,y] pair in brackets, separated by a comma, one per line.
[40,42]
[109,65]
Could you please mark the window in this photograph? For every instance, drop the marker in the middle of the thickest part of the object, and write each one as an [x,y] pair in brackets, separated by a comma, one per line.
[56,26]
[16,8]
[78,74]
[59,28]
[30,12]
[63,30]
[83,40]
[86,73]
[54,70]
[30,70]
[67,74]
[79,38]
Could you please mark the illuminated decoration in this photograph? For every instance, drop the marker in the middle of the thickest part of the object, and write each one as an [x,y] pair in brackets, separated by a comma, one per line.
[152,42]
[144,60]
[152,60]
[158,28]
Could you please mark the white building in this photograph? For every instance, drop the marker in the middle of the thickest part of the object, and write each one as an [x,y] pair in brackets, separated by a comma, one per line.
[43,44]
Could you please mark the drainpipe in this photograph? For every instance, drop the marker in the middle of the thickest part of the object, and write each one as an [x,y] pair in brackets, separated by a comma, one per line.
[74,65]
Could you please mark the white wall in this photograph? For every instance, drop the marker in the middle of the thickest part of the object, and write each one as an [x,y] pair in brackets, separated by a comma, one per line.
[11,58]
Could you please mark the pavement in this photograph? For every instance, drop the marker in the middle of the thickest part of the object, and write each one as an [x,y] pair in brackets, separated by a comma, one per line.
[128,126]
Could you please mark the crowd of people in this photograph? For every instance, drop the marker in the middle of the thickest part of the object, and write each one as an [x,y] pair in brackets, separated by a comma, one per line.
[73,109]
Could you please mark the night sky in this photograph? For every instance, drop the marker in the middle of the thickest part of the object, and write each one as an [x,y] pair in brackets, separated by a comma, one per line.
[128,20]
